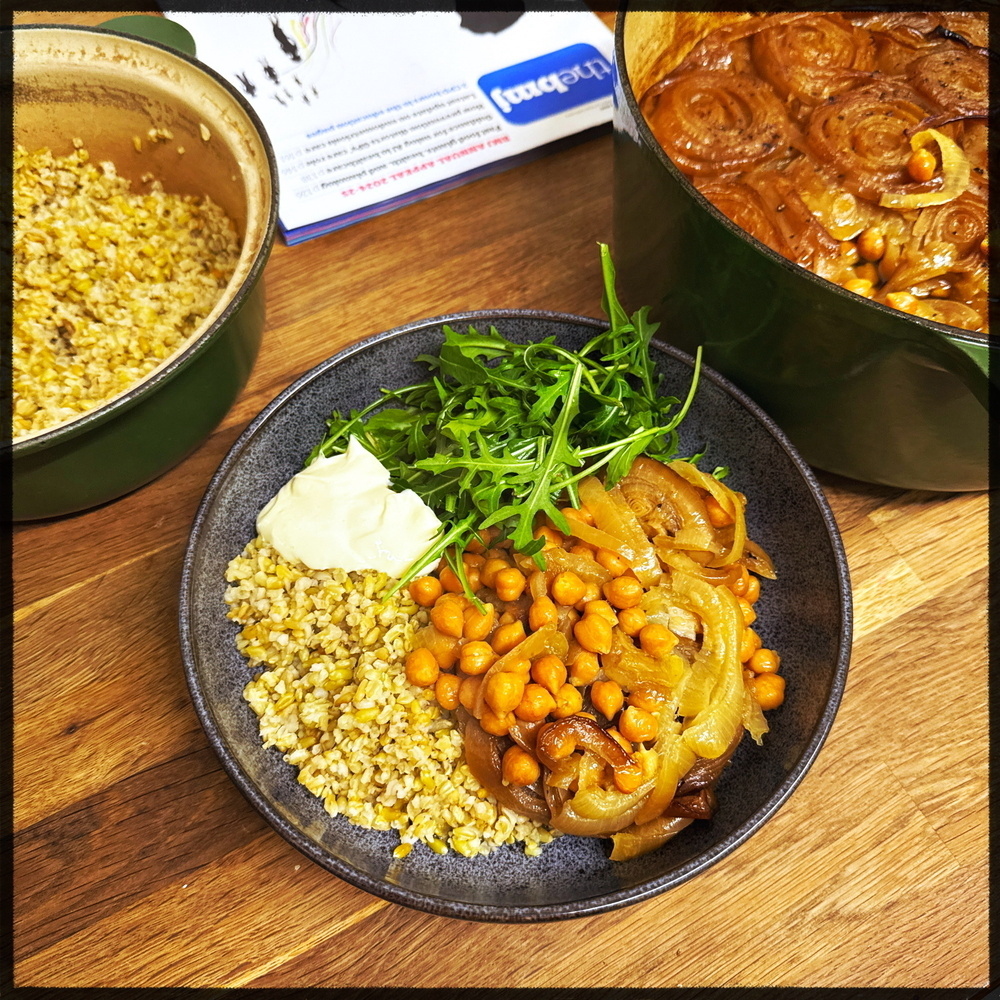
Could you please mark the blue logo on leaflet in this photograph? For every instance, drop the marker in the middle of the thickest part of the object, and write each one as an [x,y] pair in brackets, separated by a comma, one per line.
[548,84]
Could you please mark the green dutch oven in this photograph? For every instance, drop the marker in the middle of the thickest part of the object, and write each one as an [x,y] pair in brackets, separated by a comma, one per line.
[104,87]
[861,389]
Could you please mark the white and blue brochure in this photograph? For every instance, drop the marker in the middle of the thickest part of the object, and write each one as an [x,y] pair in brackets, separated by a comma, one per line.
[370,111]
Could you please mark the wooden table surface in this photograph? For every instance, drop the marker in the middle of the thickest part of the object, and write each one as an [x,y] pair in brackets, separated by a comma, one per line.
[138,863]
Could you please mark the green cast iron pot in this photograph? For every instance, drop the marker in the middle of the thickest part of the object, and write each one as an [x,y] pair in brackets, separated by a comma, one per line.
[861,389]
[105,87]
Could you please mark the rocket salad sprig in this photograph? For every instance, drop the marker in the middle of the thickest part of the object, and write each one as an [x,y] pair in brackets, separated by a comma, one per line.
[502,432]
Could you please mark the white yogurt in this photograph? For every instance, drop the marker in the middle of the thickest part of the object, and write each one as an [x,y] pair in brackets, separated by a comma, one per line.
[339,512]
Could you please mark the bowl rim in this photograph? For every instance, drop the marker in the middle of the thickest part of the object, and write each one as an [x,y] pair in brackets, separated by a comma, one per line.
[196,345]
[501,913]
[980,338]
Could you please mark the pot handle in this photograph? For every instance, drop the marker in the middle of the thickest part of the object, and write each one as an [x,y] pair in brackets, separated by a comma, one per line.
[154,29]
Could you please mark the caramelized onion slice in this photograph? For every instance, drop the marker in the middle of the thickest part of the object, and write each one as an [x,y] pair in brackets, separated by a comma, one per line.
[717,121]
[484,755]
[813,57]
[863,134]
[954,78]
[641,838]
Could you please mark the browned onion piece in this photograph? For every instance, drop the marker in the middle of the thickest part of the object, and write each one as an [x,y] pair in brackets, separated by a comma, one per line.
[954,78]
[949,312]
[746,208]
[809,244]
[813,57]
[862,133]
[962,222]
[484,754]
[641,838]
[717,121]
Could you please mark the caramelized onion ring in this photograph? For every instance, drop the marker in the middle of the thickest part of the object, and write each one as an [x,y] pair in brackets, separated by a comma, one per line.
[953,78]
[716,122]
[742,205]
[812,58]
[862,133]
[962,222]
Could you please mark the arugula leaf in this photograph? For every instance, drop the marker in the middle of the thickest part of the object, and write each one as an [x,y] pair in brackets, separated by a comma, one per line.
[501,432]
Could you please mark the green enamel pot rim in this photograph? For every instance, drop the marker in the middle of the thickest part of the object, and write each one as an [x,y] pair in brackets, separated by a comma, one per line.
[131,397]
[975,344]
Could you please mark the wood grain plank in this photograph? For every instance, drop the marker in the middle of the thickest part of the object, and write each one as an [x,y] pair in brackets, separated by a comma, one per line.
[151,830]
[254,908]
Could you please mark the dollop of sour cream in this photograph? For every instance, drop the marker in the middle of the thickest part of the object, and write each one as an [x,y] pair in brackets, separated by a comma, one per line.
[339,512]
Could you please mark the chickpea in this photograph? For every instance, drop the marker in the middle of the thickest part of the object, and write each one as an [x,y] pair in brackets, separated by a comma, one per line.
[718,516]
[474,559]
[592,592]
[478,545]
[632,621]
[567,588]
[628,779]
[922,165]
[425,590]
[867,272]
[495,723]
[637,725]
[476,657]
[860,286]
[446,690]
[602,608]
[421,667]
[509,584]
[752,593]
[581,514]
[623,592]
[468,692]
[478,624]
[553,538]
[647,697]
[903,301]
[541,613]
[580,548]
[503,692]
[739,580]
[519,665]
[871,243]
[607,698]
[746,609]
[506,637]
[550,672]
[489,570]
[445,648]
[769,690]
[657,640]
[448,618]
[593,632]
[584,669]
[450,581]
[764,661]
[536,703]
[569,701]
[611,561]
[750,643]
[519,767]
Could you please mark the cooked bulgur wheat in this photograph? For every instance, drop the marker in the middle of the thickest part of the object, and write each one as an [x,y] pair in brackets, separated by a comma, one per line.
[332,695]
[108,282]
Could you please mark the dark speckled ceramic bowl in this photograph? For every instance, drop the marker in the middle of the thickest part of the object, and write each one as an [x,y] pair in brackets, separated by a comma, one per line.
[806,614]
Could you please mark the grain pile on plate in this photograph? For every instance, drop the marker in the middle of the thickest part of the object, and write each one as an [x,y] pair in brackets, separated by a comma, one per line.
[108,283]
[332,696]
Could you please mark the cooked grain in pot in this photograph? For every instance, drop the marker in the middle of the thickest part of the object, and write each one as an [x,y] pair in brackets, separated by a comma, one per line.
[108,282]
[331,694]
